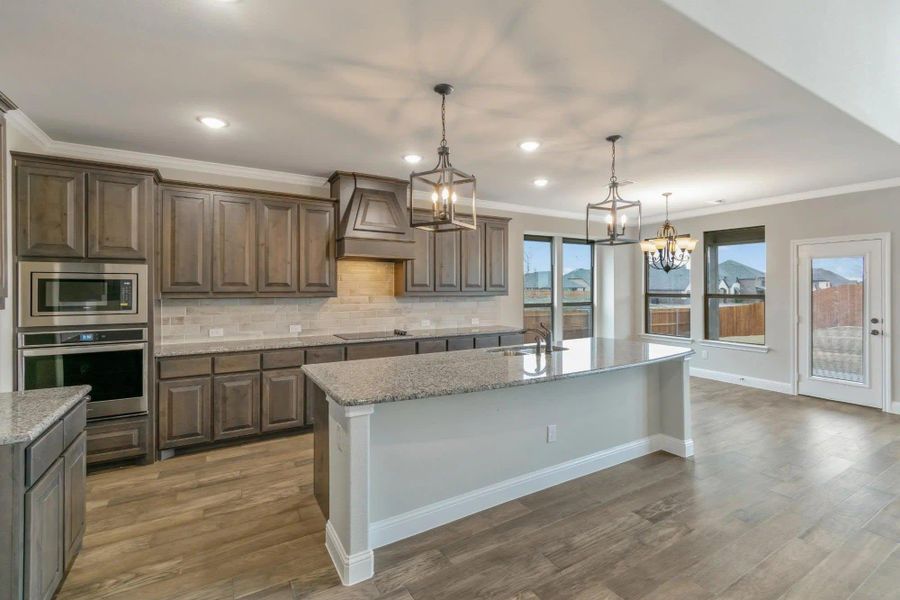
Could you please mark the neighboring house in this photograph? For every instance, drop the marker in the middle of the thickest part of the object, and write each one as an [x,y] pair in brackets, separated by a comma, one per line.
[577,280]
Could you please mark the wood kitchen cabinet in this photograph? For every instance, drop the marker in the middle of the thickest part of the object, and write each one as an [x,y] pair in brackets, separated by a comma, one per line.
[278,223]
[321,354]
[4,239]
[318,263]
[118,207]
[496,257]
[236,405]
[186,257]
[282,399]
[75,497]
[234,243]
[472,259]
[418,274]
[446,261]
[50,201]
[185,412]
[44,533]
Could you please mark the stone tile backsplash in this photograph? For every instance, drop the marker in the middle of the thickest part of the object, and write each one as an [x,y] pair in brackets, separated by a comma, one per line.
[365,302]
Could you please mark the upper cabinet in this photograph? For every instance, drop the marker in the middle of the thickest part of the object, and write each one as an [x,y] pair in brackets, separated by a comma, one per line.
[467,262]
[218,243]
[69,209]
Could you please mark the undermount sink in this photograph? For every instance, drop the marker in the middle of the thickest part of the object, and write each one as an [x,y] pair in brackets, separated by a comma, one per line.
[522,350]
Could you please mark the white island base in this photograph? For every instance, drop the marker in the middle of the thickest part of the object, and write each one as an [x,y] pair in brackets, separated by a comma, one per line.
[401,468]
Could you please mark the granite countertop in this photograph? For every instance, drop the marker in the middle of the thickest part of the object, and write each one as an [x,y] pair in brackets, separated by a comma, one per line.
[214,346]
[379,380]
[26,415]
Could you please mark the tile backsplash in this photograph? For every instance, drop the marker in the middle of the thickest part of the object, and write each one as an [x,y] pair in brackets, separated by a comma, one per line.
[365,302]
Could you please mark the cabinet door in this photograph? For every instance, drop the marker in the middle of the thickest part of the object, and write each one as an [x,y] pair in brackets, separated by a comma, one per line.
[118,209]
[278,231]
[496,257]
[446,261]
[314,356]
[117,439]
[75,461]
[318,269]
[186,240]
[50,211]
[420,270]
[282,399]
[472,258]
[44,541]
[185,407]
[236,406]
[234,243]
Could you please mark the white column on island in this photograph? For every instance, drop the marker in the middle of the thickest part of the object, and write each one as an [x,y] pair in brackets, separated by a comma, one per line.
[347,530]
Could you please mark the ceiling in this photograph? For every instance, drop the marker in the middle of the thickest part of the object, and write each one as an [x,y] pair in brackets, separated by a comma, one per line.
[310,87]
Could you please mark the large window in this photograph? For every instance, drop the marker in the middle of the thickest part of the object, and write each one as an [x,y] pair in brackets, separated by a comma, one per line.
[538,300]
[577,289]
[667,301]
[736,285]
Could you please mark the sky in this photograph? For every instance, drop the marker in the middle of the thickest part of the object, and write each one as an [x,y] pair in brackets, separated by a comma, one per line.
[851,267]
[752,255]
[537,256]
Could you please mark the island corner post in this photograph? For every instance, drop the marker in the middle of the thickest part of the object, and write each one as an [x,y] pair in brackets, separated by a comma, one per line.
[394,469]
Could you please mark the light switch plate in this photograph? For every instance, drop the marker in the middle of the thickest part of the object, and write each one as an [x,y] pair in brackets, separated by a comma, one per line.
[216,332]
[296,328]
[475,321]
[551,434]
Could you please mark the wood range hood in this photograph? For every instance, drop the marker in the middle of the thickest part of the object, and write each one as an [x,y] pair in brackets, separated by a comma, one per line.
[373,219]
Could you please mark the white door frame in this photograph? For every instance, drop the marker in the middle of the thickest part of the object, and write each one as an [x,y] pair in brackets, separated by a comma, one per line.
[885,239]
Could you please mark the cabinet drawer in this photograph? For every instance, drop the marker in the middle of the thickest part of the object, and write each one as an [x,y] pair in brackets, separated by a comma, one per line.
[74,423]
[193,366]
[236,363]
[487,341]
[429,346]
[381,350]
[324,355]
[461,343]
[282,359]
[116,440]
[512,339]
[42,452]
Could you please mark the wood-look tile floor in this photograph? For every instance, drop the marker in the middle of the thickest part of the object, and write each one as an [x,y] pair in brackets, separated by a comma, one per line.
[786,498]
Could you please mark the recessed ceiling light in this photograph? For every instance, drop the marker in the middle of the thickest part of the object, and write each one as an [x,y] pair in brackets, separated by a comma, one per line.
[529,145]
[213,122]
[541,182]
[412,158]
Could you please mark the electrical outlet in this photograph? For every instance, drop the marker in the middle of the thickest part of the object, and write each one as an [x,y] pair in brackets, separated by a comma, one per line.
[426,322]
[475,321]
[704,354]
[551,434]
[216,332]
[296,328]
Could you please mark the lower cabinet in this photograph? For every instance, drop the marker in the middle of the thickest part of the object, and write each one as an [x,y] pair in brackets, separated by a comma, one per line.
[185,407]
[282,399]
[44,537]
[235,406]
[117,439]
[75,497]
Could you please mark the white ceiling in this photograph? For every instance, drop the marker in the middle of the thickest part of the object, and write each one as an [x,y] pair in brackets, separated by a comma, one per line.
[314,86]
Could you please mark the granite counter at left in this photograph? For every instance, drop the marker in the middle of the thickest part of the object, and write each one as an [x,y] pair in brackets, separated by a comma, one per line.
[24,416]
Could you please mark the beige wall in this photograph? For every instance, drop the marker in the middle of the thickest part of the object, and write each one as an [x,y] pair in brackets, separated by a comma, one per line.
[858,213]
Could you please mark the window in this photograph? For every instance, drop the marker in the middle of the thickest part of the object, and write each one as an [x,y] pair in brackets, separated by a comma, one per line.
[736,285]
[577,289]
[538,300]
[667,301]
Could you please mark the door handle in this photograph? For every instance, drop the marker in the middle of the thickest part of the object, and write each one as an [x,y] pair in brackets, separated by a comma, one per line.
[874,320]
[875,332]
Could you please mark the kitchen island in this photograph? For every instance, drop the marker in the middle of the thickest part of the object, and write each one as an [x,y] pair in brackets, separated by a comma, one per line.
[410,443]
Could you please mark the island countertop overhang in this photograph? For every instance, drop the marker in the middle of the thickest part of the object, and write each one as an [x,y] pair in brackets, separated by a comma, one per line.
[394,379]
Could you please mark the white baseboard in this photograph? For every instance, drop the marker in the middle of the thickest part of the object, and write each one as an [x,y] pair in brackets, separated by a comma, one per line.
[440,513]
[350,568]
[754,382]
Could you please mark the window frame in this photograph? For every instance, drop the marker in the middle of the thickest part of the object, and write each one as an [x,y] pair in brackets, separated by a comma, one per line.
[648,295]
[563,304]
[525,305]
[731,237]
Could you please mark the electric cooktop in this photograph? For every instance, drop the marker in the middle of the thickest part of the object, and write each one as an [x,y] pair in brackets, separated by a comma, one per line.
[371,335]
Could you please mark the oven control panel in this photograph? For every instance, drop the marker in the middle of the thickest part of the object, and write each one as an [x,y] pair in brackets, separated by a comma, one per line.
[66,338]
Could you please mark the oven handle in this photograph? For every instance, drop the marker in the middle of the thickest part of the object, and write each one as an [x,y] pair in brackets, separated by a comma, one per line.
[82,349]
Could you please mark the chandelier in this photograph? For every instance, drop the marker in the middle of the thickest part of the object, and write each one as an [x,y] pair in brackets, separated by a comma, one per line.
[613,206]
[445,186]
[668,250]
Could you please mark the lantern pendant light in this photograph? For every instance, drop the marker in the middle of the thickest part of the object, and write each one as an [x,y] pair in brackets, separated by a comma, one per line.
[668,251]
[613,205]
[446,187]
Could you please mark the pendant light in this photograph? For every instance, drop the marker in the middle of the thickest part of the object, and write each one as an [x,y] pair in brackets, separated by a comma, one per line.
[668,251]
[445,186]
[613,206]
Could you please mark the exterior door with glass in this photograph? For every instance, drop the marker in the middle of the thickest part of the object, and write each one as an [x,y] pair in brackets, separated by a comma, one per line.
[840,321]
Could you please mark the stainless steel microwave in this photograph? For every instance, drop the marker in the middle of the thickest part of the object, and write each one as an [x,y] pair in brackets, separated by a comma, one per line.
[52,294]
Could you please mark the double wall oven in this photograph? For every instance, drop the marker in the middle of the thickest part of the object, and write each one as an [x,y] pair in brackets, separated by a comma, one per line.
[64,311]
